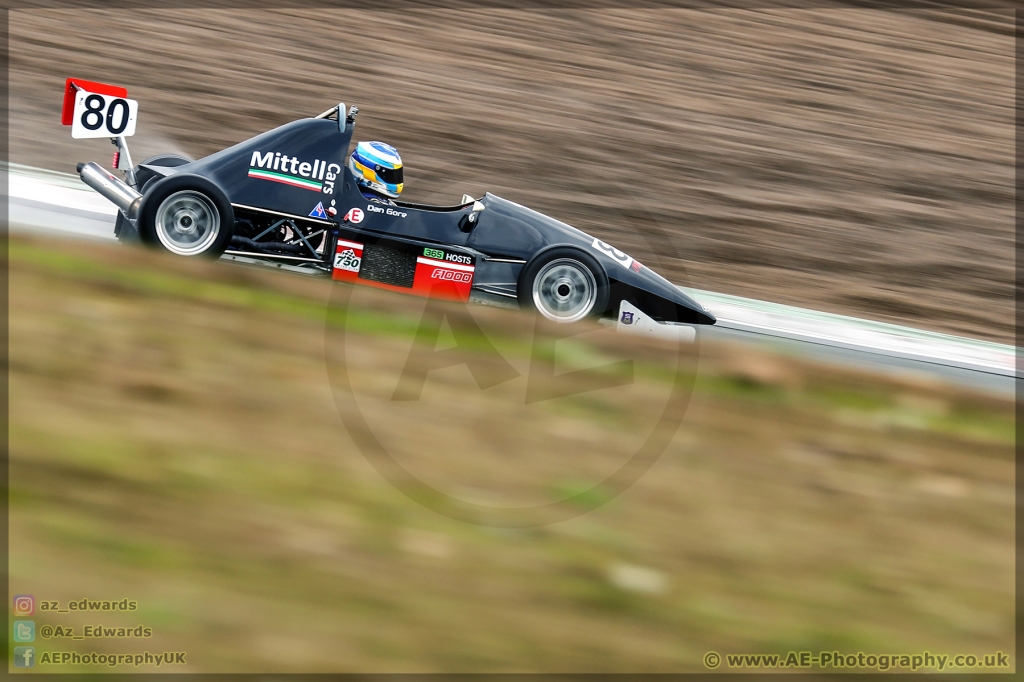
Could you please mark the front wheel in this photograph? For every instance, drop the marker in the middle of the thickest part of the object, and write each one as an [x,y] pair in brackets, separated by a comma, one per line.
[187,215]
[564,285]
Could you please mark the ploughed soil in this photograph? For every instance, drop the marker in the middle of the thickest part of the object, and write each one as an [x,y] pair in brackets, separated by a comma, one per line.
[853,160]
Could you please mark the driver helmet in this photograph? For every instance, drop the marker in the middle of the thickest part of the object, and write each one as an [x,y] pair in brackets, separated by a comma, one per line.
[377,166]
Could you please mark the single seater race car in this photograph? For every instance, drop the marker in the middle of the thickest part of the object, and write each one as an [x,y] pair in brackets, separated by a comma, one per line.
[287,197]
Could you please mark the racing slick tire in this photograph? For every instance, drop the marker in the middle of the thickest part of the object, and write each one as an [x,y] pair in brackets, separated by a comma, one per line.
[187,215]
[563,284]
[124,230]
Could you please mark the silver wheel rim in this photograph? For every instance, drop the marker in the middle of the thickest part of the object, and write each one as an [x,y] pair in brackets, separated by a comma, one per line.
[564,290]
[187,223]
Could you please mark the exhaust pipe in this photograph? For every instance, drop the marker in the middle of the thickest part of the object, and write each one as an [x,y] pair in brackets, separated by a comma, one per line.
[119,193]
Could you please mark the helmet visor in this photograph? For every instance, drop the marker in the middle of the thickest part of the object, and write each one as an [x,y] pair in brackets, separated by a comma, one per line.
[392,176]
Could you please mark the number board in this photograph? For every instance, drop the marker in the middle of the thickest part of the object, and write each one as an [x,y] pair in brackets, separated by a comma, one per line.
[619,257]
[103,116]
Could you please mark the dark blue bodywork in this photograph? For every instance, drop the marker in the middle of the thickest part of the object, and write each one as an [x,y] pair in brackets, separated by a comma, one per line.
[501,241]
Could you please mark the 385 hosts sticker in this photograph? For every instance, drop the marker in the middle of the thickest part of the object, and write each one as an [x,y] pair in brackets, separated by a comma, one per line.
[440,254]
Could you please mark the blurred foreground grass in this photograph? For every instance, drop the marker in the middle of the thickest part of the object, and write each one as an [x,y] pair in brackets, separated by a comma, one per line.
[174,440]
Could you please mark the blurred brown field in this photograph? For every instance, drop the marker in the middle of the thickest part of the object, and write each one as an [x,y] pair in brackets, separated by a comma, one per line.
[854,160]
[177,438]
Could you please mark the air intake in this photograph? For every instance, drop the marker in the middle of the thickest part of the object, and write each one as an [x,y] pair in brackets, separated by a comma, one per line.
[388,266]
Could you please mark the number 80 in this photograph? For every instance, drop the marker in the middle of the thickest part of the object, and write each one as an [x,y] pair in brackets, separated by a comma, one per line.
[92,117]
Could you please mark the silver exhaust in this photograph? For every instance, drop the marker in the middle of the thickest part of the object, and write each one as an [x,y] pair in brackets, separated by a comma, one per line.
[117,191]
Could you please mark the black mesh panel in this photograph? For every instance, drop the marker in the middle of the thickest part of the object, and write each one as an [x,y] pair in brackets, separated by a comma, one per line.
[388,266]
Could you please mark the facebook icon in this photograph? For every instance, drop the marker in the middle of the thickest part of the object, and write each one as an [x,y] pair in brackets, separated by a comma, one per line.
[24,656]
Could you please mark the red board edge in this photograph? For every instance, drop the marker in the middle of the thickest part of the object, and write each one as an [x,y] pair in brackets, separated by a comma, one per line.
[67,112]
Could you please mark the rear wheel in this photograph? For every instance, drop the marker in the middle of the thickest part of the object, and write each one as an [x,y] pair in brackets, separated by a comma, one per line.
[187,215]
[124,230]
[187,223]
[564,285]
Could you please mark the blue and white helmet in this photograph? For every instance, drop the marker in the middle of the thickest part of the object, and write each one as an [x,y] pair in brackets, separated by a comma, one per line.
[378,166]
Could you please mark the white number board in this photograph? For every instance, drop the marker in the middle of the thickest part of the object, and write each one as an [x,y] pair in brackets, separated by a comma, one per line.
[618,256]
[103,116]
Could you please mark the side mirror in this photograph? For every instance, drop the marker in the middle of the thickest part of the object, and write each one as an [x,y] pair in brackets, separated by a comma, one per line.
[347,121]
[343,120]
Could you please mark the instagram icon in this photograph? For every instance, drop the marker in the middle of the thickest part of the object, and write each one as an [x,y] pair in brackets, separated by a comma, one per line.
[24,604]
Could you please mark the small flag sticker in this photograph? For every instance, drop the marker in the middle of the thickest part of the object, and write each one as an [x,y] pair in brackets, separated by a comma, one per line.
[318,212]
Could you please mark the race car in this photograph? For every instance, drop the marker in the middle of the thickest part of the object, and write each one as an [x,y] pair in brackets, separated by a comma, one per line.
[287,197]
